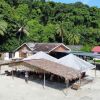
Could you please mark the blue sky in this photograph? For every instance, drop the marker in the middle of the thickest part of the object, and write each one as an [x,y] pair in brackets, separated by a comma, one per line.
[89,2]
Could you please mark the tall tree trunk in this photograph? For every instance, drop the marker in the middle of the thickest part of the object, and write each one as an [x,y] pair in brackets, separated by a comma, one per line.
[62,39]
[19,38]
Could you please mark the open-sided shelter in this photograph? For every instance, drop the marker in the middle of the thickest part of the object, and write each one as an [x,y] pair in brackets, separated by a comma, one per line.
[47,66]
[55,68]
[43,65]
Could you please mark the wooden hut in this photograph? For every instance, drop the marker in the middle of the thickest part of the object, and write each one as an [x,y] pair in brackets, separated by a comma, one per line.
[28,49]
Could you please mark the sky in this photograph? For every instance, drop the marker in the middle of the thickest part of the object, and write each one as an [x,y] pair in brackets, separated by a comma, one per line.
[88,2]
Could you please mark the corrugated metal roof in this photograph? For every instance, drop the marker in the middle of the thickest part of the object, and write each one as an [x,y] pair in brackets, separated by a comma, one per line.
[89,54]
[40,55]
[76,63]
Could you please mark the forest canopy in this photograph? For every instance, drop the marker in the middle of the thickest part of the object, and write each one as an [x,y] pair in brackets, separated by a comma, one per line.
[40,21]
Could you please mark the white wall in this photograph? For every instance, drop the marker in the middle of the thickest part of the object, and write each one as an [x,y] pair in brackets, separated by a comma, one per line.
[17,54]
[6,56]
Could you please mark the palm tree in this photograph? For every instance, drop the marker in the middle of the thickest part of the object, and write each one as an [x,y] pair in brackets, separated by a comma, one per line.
[61,31]
[73,36]
[22,31]
[3,27]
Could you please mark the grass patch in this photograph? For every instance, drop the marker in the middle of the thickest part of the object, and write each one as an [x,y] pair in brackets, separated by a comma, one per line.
[97,60]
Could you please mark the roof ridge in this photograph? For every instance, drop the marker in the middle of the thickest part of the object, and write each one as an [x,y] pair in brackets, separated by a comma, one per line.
[43,43]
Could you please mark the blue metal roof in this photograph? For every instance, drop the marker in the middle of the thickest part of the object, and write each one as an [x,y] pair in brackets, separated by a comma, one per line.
[88,54]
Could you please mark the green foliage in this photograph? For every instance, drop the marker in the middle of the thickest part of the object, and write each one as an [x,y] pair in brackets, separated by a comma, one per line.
[74,36]
[3,27]
[60,30]
[41,21]
[35,30]
[48,33]
[86,48]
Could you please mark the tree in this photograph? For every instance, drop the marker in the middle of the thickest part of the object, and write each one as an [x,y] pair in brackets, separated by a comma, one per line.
[48,33]
[47,21]
[21,33]
[60,30]
[22,18]
[3,27]
[74,36]
[35,30]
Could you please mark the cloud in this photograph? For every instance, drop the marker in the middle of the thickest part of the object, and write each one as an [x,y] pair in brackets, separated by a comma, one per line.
[72,1]
[84,1]
[88,2]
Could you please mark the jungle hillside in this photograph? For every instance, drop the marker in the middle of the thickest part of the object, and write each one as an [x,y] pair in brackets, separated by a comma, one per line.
[46,21]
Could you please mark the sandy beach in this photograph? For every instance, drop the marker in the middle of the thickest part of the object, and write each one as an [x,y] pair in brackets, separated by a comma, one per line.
[17,89]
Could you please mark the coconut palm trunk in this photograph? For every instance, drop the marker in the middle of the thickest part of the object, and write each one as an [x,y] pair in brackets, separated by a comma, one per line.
[20,38]
[22,32]
[62,39]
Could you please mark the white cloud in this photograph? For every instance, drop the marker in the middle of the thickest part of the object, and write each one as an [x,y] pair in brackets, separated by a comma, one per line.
[84,1]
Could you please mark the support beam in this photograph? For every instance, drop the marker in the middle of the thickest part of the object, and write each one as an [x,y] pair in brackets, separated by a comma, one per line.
[95,68]
[26,76]
[80,80]
[44,81]
[0,69]
[12,74]
[67,83]
[95,72]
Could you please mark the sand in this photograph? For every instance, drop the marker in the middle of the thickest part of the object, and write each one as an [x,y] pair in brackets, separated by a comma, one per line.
[17,89]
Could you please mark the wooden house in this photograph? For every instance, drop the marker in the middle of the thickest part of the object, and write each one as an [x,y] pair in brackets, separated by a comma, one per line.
[28,49]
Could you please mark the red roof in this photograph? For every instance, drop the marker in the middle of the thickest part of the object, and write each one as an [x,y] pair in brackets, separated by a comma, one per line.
[96,49]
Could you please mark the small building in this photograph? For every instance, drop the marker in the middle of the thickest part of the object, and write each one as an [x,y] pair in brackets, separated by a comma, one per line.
[96,49]
[28,49]
[6,55]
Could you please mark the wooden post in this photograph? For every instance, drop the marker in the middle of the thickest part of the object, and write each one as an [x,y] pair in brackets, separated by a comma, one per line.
[67,83]
[0,69]
[12,74]
[26,76]
[95,68]
[95,71]
[80,79]
[44,81]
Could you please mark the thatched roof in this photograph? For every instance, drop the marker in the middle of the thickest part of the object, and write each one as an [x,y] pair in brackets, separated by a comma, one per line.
[55,68]
[4,62]
[43,65]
